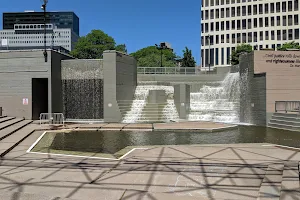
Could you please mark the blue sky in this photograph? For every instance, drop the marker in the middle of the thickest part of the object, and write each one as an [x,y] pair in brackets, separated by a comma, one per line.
[137,23]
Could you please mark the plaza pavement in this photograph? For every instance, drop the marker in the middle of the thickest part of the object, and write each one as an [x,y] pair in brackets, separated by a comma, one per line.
[226,171]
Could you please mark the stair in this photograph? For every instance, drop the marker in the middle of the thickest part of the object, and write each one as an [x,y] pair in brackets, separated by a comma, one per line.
[13,128]
[286,121]
[290,188]
[9,122]
[10,142]
[271,184]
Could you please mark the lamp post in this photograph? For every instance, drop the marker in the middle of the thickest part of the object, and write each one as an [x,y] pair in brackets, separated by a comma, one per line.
[45,41]
[159,47]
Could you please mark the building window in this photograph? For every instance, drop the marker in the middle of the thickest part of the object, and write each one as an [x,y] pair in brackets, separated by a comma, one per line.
[284,20]
[228,55]
[212,14]
[266,22]
[222,56]
[217,14]
[249,24]
[244,26]
[261,24]
[222,26]
[296,19]
[238,38]
[244,11]
[284,35]
[272,21]
[244,38]
[278,34]
[233,38]
[222,38]
[290,6]
[227,25]
[233,24]
[232,11]
[249,37]
[212,2]
[266,8]
[227,38]
[217,56]
[278,7]
[260,9]
[222,12]
[238,24]
[290,34]
[290,20]
[239,11]
[284,6]
[254,9]
[296,5]
[278,20]
[255,37]
[261,36]
[272,35]
[227,12]
[267,35]
[217,26]
[296,34]
[212,26]
[255,22]
[249,10]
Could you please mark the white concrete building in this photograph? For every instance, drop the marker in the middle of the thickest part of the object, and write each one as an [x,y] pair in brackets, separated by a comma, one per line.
[261,23]
[32,36]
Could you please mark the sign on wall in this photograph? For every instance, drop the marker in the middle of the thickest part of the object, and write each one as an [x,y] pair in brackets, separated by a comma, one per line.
[290,59]
[25,101]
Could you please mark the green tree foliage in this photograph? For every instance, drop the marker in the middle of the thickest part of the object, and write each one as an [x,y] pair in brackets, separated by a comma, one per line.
[121,48]
[93,44]
[240,49]
[289,45]
[188,59]
[151,56]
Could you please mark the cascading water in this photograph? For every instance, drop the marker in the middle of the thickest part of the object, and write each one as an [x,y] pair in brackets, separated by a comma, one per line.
[135,114]
[217,103]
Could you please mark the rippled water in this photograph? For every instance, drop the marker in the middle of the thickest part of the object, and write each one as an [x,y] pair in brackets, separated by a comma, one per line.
[113,141]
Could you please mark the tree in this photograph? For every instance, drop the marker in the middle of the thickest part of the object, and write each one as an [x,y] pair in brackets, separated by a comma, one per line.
[121,48]
[289,45]
[94,44]
[188,60]
[240,49]
[151,57]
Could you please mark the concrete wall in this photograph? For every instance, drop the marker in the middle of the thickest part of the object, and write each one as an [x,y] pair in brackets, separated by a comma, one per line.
[282,70]
[272,76]
[182,100]
[17,68]
[119,83]
[82,88]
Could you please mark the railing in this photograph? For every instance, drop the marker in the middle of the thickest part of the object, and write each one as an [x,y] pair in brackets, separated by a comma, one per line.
[173,70]
[52,119]
[287,106]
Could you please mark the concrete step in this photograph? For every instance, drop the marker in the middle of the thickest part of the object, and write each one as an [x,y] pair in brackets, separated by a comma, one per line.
[2,116]
[13,140]
[290,188]
[13,128]
[4,119]
[9,123]
[291,123]
[290,119]
[295,115]
[271,184]
[4,195]
[284,126]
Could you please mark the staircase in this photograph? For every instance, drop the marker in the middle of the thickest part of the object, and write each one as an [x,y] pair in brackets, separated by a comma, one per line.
[281,182]
[286,121]
[12,132]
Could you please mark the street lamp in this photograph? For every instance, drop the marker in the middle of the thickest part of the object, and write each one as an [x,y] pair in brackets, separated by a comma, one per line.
[44,9]
[160,47]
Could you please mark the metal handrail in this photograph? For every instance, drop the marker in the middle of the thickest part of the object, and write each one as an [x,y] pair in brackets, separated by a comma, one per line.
[173,70]
[287,106]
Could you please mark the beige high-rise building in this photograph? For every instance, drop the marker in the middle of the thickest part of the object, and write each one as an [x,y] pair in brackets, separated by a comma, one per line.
[260,23]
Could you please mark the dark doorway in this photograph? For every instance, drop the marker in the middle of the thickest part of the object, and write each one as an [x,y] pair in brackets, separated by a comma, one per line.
[39,97]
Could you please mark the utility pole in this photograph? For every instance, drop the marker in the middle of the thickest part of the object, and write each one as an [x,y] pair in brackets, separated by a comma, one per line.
[45,36]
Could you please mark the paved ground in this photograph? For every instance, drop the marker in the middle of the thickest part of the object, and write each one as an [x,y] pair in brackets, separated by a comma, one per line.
[232,171]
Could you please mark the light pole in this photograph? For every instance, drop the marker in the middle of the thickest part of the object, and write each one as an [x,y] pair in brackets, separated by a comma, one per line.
[45,41]
[159,47]
[209,53]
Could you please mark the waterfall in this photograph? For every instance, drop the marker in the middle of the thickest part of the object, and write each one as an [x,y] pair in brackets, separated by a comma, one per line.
[219,103]
[135,114]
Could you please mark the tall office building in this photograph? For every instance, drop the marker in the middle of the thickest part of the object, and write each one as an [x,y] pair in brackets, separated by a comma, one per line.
[260,23]
[25,30]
